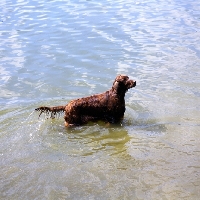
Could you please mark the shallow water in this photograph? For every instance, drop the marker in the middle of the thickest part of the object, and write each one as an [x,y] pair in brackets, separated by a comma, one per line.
[55,51]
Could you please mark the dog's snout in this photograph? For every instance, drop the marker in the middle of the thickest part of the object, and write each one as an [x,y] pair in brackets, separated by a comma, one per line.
[130,84]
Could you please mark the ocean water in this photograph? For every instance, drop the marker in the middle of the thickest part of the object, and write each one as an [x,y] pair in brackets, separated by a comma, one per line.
[54,51]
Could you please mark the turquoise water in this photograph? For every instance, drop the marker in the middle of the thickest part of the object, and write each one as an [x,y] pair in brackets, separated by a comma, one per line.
[54,51]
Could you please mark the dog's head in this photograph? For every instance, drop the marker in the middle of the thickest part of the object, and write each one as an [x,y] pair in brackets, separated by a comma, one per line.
[122,83]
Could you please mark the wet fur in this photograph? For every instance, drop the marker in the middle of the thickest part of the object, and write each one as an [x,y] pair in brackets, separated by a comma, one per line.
[108,106]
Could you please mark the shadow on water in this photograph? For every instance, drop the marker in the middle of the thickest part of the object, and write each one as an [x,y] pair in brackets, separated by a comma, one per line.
[139,118]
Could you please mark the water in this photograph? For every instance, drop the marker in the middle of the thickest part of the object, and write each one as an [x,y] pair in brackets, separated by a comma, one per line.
[55,51]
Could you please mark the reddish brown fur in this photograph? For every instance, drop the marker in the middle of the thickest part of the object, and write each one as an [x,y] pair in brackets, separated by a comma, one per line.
[108,106]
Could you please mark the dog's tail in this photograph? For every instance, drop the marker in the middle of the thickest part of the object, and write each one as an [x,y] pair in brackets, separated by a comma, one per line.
[51,111]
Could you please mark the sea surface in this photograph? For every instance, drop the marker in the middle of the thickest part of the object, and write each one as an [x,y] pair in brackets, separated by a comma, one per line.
[53,51]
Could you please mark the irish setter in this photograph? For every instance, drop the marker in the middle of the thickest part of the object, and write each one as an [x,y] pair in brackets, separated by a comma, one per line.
[108,106]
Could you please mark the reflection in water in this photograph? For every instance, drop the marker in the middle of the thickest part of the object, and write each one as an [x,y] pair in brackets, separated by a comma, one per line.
[97,138]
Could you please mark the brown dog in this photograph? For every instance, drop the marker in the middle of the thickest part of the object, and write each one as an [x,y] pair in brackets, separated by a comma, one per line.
[108,106]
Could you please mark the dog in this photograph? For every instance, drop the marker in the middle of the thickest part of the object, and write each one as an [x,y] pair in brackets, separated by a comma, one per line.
[108,106]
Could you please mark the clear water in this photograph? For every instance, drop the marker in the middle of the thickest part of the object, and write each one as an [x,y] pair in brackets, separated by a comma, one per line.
[55,51]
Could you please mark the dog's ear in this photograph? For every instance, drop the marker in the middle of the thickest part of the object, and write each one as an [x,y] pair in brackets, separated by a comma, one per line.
[116,85]
[119,84]
[119,78]
[118,81]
